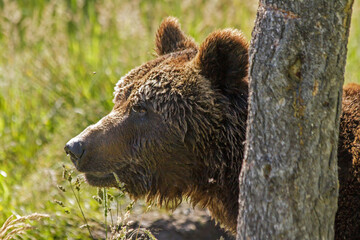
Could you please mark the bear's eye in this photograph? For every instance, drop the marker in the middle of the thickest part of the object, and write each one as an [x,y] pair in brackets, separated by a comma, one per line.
[138,109]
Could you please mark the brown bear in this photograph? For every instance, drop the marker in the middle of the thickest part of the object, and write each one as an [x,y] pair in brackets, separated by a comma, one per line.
[177,130]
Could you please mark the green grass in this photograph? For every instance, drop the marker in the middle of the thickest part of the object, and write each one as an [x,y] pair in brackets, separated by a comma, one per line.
[59,61]
[352,73]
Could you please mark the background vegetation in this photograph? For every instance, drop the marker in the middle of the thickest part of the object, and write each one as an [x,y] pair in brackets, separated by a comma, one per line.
[59,62]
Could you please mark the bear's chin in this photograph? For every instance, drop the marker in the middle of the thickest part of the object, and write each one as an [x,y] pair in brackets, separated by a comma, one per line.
[98,179]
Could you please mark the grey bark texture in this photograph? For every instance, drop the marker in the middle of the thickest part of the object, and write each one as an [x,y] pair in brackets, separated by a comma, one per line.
[288,182]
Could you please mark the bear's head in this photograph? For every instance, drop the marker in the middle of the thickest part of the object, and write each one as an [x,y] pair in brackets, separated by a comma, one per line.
[178,122]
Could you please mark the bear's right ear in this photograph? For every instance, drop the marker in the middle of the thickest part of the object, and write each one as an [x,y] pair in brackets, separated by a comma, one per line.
[170,38]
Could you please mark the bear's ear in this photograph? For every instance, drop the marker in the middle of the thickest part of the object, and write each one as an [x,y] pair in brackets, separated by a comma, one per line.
[223,58]
[170,38]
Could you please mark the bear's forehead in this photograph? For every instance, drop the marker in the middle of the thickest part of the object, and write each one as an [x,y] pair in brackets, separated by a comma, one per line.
[168,70]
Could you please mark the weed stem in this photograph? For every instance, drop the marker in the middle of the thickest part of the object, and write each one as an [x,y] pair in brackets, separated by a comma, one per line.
[82,213]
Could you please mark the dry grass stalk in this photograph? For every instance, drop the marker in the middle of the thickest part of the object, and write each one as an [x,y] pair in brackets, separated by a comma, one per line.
[18,226]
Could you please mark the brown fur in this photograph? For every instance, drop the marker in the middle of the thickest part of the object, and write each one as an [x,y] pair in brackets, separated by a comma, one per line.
[347,223]
[178,126]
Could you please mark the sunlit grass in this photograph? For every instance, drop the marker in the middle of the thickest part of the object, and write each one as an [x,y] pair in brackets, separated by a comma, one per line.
[13,227]
[59,61]
[352,73]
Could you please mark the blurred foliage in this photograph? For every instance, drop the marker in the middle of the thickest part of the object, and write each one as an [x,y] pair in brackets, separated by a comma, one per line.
[59,62]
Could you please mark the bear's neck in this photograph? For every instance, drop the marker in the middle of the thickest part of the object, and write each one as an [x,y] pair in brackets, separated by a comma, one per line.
[219,191]
[222,202]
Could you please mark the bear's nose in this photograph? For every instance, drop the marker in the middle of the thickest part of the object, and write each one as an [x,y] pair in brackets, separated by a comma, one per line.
[75,149]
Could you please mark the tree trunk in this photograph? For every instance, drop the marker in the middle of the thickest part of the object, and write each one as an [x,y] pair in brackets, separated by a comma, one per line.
[288,182]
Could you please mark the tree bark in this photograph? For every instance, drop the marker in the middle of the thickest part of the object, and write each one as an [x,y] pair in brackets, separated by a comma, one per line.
[288,182]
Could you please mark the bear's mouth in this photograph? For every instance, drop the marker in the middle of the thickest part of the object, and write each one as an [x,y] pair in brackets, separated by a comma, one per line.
[100,174]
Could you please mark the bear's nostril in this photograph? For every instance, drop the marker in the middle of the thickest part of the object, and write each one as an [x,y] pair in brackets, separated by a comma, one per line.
[74,148]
